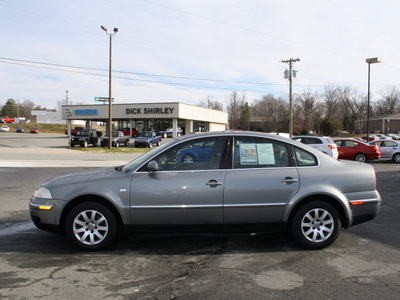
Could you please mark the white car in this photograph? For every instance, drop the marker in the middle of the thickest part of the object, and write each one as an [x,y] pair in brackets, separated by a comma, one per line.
[322,143]
[390,150]
[5,128]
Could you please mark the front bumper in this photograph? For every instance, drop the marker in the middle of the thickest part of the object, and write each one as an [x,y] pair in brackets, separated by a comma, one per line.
[46,213]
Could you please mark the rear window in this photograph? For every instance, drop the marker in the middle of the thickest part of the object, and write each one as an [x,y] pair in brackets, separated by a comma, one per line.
[305,158]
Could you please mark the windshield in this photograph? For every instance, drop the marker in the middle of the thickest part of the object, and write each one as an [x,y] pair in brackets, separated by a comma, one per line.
[145,134]
[146,156]
[82,133]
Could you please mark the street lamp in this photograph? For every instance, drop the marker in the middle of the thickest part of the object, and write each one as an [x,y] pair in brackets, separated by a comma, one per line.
[109,88]
[369,61]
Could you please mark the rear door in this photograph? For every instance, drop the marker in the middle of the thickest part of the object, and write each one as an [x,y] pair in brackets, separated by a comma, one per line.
[261,181]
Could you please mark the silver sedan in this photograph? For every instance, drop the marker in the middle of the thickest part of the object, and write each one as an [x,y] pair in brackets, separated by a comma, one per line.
[244,181]
[390,149]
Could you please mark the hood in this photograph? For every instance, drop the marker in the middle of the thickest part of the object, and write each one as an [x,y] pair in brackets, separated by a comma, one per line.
[75,178]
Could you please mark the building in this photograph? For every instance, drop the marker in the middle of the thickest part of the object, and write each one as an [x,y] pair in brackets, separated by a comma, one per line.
[382,124]
[44,116]
[149,116]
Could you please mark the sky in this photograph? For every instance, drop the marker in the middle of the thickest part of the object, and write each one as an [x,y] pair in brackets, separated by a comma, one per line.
[185,51]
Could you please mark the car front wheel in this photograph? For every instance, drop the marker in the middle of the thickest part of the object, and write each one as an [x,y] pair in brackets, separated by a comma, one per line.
[91,226]
[360,157]
[316,225]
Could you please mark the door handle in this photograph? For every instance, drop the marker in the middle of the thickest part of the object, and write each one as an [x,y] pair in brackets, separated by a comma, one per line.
[213,183]
[289,180]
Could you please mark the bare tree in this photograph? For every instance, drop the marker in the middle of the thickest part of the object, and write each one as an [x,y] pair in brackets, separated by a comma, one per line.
[331,99]
[209,102]
[306,105]
[390,102]
[234,105]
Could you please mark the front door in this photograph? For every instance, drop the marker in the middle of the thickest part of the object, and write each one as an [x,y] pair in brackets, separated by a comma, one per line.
[183,190]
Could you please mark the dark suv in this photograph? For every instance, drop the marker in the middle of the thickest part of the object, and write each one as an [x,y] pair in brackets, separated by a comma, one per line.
[86,137]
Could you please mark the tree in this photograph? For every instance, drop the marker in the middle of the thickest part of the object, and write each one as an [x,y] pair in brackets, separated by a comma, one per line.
[208,102]
[234,106]
[390,102]
[331,99]
[10,108]
[245,116]
[306,106]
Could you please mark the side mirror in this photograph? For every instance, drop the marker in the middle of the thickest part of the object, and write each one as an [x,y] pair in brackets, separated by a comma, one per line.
[152,166]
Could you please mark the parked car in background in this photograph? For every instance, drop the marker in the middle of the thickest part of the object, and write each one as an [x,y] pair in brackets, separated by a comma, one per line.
[393,136]
[390,150]
[148,139]
[34,130]
[127,131]
[118,138]
[251,181]
[169,132]
[85,137]
[322,143]
[75,130]
[200,152]
[5,128]
[383,136]
[7,120]
[353,149]
[20,129]
[370,139]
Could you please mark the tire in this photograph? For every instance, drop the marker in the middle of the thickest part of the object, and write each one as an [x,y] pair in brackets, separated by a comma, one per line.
[179,134]
[165,135]
[188,159]
[158,143]
[85,144]
[315,225]
[150,145]
[360,157]
[127,143]
[91,226]
[396,157]
[117,144]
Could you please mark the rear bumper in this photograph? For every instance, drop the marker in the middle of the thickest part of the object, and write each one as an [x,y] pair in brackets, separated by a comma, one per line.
[365,210]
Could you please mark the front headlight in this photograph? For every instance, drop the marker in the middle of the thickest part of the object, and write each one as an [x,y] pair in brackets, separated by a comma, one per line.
[42,193]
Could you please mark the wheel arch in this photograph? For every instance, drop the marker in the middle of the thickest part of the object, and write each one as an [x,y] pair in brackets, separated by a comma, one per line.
[344,218]
[89,198]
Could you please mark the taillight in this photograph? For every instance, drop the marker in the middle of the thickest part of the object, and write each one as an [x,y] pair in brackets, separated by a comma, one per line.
[332,146]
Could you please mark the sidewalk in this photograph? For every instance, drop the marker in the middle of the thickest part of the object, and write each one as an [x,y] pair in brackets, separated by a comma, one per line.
[60,158]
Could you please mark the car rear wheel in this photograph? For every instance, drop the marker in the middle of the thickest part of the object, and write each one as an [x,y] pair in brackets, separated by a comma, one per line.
[85,144]
[91,226]
[117,144]
[316,225]
[396,158]
[360,157]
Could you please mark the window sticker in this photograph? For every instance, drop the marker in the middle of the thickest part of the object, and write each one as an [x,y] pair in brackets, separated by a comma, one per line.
[265,154]
[248,154]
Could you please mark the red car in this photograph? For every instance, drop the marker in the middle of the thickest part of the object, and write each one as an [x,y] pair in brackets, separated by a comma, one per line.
[34,130]
[127,131]
[352,149]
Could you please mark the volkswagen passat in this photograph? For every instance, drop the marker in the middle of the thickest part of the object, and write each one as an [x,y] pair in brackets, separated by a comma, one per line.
[249,181]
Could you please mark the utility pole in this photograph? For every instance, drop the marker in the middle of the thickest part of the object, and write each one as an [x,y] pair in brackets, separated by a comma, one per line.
[66,97]
[288,75]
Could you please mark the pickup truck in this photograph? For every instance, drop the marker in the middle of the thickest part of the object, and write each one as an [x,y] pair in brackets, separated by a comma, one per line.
[75,130]
[85,138]
[148,139]
[118,138]
[6,120]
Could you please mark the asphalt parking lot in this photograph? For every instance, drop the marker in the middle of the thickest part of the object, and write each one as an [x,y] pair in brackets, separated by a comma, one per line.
[364,263]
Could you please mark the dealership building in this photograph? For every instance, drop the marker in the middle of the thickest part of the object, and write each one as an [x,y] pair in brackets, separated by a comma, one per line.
[149,116]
